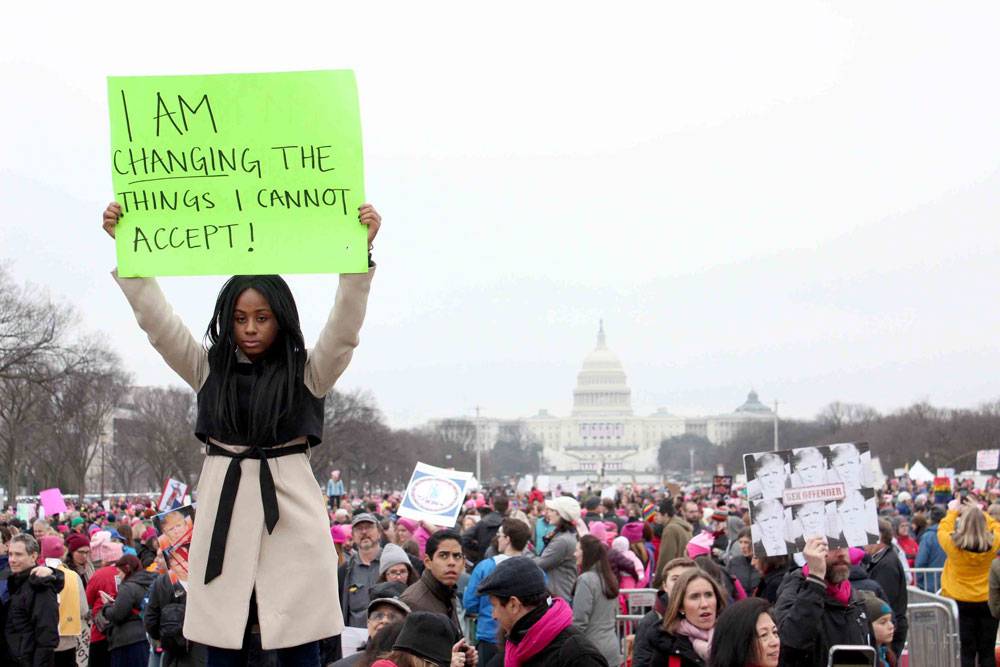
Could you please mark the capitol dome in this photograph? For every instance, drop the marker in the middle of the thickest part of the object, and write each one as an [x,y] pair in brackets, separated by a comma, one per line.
[601,385]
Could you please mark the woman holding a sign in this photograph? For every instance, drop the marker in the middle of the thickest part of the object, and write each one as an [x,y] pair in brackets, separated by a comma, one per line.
[260,408]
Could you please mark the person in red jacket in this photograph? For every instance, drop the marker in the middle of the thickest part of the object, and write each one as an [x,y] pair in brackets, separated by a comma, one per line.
[103,581]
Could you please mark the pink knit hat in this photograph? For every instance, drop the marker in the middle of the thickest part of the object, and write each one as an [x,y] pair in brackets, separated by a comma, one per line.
[338,533]
[103,549]
[51,546]
[408,524]
[632,532]
[700,544]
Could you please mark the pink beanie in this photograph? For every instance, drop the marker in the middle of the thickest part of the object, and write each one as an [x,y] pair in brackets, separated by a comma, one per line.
[338,533]
[857,555]
[598,530]
[408,524]
[52,546]
[700,544]
[103,549]
[632,532]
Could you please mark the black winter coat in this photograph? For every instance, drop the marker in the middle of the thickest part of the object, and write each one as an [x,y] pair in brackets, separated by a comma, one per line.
[658,647]
[650,623]
[769,585]
[810,622]
[164,621]
[125,612]
[31,618]
[477,539]
[886,568]
[570,648]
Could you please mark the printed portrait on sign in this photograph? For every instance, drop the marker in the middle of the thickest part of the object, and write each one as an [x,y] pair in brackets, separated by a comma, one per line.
[175,527]
[852,465]
[809,467]
[813,519]
[767,475]
[768,529]
[857,516]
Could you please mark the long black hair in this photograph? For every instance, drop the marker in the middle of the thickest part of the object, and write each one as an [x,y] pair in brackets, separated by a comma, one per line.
[281,367]
[734,643]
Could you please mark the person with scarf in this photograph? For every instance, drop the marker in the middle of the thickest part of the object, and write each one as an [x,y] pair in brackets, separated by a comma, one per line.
[539,628]
[817,607]
[684,639]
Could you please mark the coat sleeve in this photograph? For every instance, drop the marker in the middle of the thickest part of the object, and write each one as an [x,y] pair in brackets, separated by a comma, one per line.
[642,650]
[555,552]
[336,342]
[151,615]
[165,329]
[583,603]
[945,529]
[994,599]
[119,610]
[45,618]
[798,613]
[923,551]
[470,599]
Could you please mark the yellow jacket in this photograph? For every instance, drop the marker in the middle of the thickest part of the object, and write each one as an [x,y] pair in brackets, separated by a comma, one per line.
[966,574]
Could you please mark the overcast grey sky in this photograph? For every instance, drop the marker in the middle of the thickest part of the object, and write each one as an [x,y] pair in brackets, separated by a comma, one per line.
[797,196]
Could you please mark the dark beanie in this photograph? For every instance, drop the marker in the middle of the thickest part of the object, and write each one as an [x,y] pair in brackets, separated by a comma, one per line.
[515,577]
[429,636]
[76,541]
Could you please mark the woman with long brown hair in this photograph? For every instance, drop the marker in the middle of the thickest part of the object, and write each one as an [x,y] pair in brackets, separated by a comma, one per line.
[688,626]
[595,598]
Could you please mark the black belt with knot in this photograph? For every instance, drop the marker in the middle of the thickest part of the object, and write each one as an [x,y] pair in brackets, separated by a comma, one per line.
[227,499]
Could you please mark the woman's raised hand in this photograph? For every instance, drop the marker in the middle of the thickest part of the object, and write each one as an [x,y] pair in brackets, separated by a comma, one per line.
[367,215]
[111,215]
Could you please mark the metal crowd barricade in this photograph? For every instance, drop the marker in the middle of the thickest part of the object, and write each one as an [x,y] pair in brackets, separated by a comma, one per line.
[932,640]
[638,602]
[927,578]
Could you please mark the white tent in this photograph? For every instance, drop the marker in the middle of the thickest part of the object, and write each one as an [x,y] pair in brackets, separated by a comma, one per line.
[920,473]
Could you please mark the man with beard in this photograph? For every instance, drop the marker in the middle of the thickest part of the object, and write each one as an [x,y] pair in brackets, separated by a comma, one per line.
[359,574]
[817,608]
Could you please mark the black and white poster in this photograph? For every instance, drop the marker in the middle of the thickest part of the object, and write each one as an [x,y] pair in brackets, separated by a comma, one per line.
[820,491]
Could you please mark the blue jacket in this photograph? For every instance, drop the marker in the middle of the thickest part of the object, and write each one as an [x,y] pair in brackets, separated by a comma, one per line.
[930,554]
[334,488]
[486,626]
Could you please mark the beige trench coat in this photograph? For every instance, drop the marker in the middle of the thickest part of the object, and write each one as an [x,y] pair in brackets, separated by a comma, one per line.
[294,569]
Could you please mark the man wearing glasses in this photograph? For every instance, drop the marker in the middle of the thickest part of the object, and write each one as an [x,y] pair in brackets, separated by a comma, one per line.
[359,574]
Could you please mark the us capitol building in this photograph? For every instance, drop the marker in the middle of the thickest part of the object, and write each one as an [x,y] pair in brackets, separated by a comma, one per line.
[604,439]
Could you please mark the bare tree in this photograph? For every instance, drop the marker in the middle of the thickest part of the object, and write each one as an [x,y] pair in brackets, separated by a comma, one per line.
[82,400]
[32,331]
[21,407]
[162,432]
[838,415]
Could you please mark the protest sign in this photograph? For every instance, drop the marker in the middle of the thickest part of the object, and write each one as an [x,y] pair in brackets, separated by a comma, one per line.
[608,493]
[26,511]
[722,485]
[942,490]
[52,501]
[353,640]
[987,459]
[238,173]
[946,472]
[434,495]
[807,492]
[175,526]
[172,495]
[542,483]
[899,472]
[524,484]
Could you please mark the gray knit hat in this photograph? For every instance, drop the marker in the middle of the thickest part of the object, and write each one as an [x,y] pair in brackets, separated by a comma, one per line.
[392,554]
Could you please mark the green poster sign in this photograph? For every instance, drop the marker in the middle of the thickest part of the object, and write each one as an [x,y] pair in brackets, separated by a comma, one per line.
[238,173]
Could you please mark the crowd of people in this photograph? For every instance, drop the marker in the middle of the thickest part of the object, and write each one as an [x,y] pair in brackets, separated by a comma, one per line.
[525,578]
